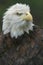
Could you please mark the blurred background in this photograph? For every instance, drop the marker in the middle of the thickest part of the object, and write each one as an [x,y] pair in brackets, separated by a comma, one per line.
[36,7]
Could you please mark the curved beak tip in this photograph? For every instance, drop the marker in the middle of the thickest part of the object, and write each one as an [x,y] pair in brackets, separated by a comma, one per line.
[28,17]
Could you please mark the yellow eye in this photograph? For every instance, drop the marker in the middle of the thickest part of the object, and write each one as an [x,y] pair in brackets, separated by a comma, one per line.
[19,13]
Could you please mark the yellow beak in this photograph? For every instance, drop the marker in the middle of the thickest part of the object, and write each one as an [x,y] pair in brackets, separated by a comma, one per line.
[28,17]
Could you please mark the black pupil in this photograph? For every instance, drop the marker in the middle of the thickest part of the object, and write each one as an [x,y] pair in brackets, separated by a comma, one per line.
[19,13]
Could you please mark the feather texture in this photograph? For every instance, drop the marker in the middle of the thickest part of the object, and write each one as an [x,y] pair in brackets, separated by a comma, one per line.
[13,23]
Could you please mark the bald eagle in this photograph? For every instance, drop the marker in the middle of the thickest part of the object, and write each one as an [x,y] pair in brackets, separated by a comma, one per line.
[21,41]
[17,20]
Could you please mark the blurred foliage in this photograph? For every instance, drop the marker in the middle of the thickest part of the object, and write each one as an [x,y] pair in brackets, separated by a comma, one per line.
[36,7]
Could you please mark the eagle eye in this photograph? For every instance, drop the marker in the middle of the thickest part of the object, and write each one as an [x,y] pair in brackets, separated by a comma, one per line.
[19,13]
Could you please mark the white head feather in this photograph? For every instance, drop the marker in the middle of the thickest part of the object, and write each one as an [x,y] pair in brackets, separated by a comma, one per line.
[13,23]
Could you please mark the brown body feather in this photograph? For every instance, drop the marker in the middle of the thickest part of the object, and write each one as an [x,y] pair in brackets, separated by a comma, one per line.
[25,50]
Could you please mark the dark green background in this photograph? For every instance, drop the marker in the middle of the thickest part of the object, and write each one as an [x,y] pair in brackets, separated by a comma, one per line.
[35,5]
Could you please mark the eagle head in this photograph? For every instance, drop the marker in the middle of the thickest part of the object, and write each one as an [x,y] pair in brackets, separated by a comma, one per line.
[17,20]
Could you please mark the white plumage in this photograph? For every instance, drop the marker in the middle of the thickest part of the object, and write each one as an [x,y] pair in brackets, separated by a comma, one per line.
[13,21]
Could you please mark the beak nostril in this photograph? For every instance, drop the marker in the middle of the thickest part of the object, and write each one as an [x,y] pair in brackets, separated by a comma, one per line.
[27,17]
[26,14]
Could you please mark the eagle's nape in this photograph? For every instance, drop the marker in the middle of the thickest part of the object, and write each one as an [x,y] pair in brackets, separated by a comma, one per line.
[25,50]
